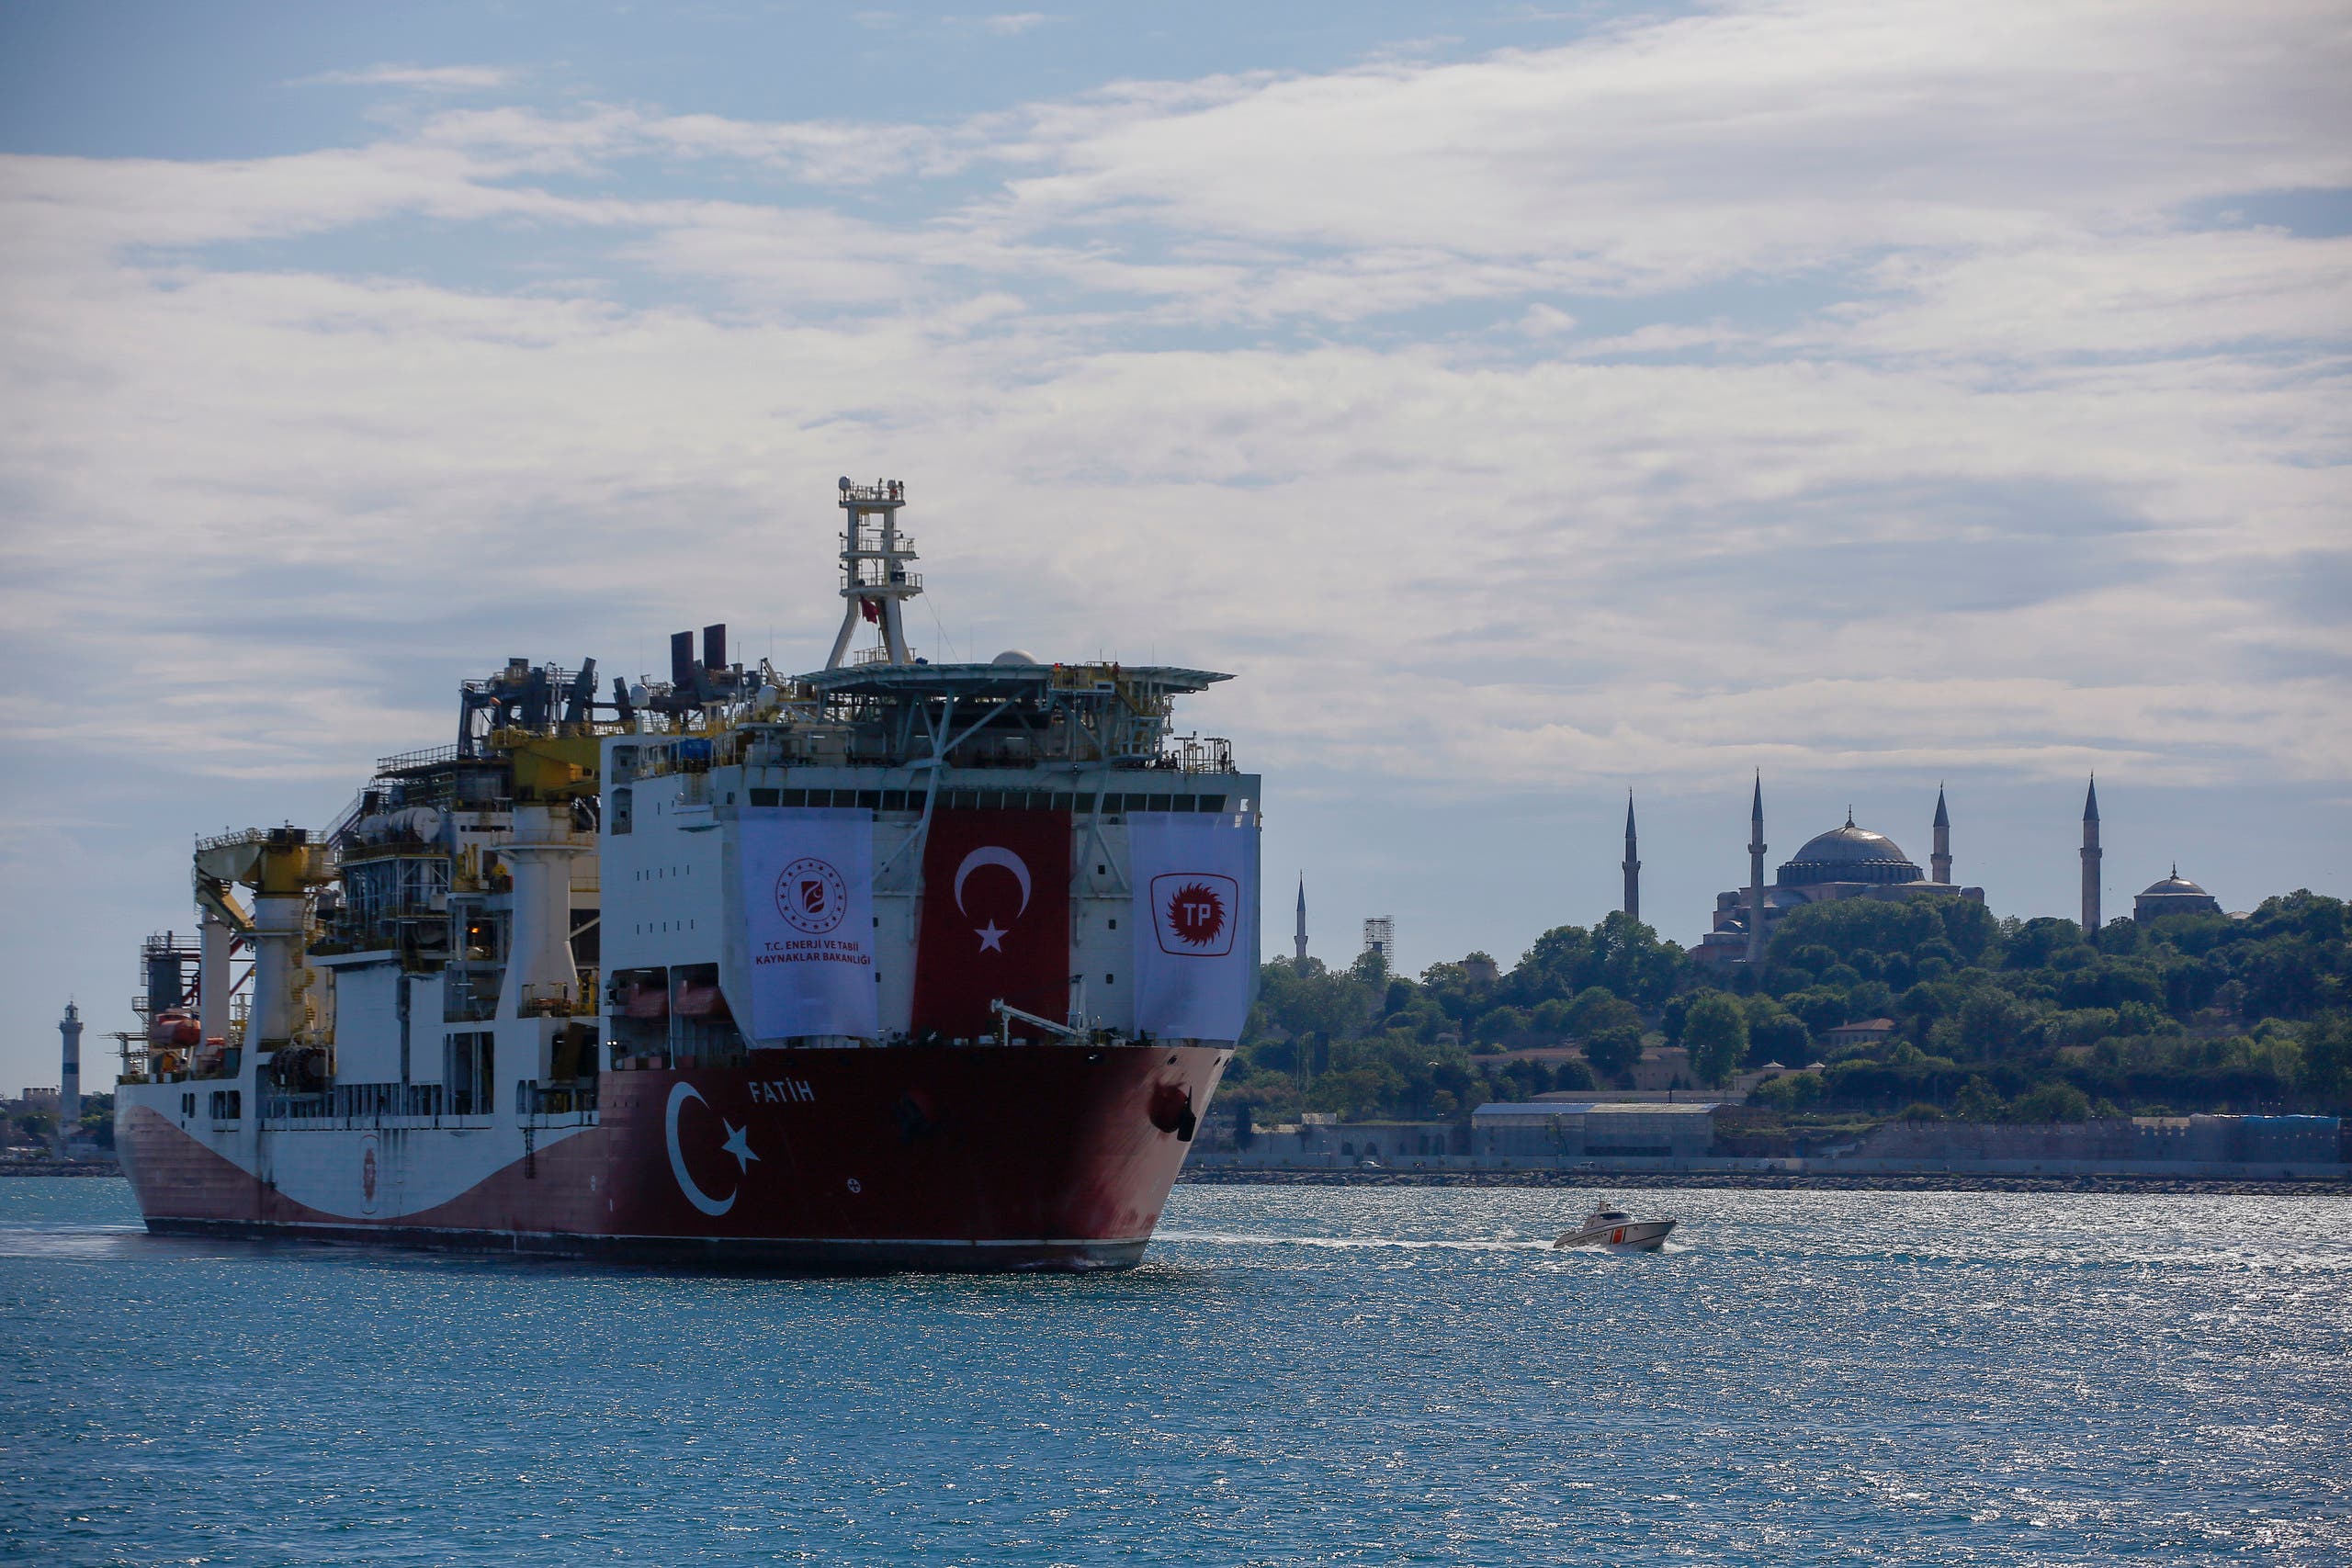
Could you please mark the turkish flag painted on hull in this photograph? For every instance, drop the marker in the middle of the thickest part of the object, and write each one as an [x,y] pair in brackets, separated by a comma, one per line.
[995,920]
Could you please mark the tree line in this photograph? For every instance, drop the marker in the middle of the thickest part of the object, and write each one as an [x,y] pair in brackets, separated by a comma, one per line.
[1992,1018]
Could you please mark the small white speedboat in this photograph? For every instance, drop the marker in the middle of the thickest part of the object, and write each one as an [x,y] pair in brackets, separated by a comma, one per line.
[1616,1228]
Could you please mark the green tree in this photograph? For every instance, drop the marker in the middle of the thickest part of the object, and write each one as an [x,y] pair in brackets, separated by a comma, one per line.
[1615,1050]
[1714,1029]
[2056,1102]
[1609,1029]
[1788,1091]
[1775,1034]
[1500,1025]
[1978,1102]
[2327,1057]
[1632,963]
[1596,1009]
[1992,1023]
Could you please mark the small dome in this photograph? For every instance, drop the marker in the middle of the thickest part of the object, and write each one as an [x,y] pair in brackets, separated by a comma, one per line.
[1849,855]
[2175,894]
[1015,656]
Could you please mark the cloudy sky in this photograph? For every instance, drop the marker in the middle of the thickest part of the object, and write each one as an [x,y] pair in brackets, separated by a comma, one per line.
[1528,404]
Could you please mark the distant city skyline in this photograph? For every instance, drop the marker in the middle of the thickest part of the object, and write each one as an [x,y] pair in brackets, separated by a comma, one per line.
[1872,394]
[2117,899]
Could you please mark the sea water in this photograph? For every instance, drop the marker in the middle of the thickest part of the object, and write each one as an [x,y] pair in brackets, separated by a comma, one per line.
[1295,1376]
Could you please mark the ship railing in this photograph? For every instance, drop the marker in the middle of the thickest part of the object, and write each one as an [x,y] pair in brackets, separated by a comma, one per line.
[346,817]
[556,1104]
[420,1105]
[1197,754]
[867,545]
[691,752]
[401,761]
[230,840]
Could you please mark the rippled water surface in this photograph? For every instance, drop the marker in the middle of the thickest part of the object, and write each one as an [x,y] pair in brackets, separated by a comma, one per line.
[1297,1375]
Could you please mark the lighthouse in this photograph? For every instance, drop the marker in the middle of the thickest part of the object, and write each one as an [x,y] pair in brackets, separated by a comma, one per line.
[69,1075]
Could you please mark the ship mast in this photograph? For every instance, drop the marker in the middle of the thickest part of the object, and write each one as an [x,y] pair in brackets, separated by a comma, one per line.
[875,578]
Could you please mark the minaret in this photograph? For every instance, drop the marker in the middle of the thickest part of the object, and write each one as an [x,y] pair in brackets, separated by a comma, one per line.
[1755,875]
[1301,938]
[2090,858]
[1633,863]
[69,1075]
[1939,863]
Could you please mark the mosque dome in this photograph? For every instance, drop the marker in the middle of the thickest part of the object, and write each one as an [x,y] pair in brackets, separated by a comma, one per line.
[2175,894]
[1849,855]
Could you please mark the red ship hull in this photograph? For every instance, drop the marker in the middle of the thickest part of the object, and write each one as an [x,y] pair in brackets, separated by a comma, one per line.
[971,1157]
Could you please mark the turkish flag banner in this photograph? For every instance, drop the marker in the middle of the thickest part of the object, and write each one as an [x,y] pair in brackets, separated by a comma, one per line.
[995,921]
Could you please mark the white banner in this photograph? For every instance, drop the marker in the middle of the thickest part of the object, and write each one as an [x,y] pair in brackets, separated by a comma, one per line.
[809,922]
[1196,924]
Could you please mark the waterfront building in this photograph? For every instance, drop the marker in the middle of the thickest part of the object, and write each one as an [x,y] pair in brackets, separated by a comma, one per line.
[1595,1129]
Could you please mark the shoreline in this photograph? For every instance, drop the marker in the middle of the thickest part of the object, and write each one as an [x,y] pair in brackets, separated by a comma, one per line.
[1922,1181]
[1728,1181]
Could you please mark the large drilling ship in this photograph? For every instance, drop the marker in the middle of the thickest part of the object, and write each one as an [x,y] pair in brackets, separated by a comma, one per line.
[893,964]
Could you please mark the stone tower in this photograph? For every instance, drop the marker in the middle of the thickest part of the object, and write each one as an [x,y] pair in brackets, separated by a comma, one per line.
[1300,939]
[1940,862]
[1756,876]
[1633,864]
[2090,858]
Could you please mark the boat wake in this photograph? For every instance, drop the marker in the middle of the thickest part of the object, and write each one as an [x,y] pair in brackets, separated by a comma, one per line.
[45,1239]
[1396,1244]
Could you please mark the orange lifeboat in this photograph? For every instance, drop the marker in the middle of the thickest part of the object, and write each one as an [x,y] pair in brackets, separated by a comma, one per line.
[175,1030]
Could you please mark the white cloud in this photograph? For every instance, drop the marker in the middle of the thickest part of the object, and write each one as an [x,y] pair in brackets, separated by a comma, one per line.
[2124,294]
[1151,355]
[420,78]
[1779,137]
[1013,23]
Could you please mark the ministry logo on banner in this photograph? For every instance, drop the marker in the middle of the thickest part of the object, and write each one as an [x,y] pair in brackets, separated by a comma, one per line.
[807,884]
[811,895]
[1196,925]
